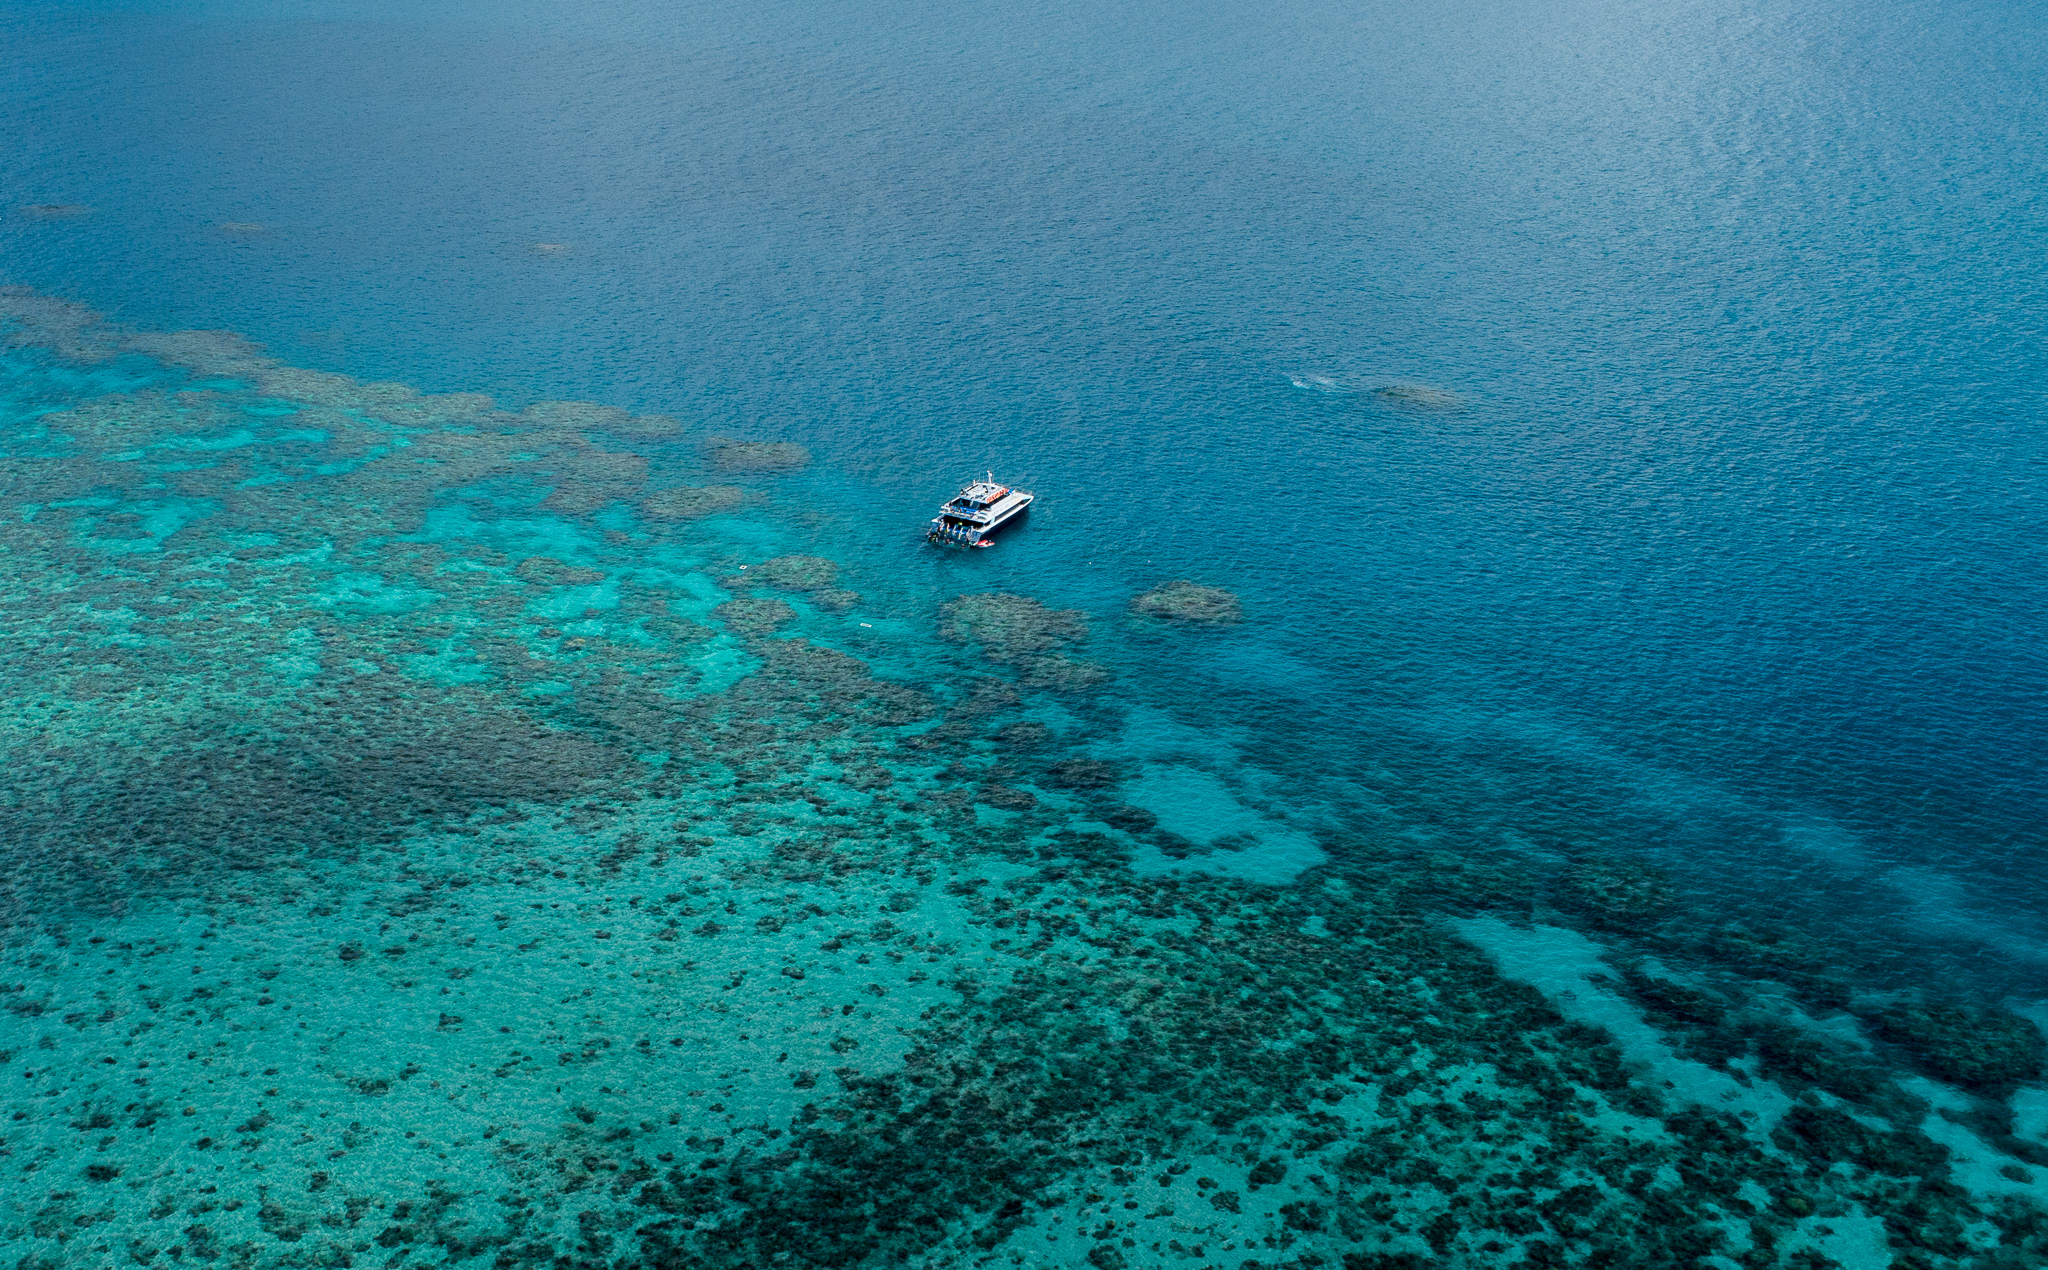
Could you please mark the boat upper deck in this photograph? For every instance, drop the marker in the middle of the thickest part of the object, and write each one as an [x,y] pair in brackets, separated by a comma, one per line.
[983,501]
[980,494]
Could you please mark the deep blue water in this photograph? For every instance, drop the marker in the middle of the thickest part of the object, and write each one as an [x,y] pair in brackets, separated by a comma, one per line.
[1727,556]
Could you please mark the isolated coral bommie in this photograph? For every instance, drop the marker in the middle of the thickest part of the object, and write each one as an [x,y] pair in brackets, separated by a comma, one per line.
[1190,602]
[757,456]
[1418,397]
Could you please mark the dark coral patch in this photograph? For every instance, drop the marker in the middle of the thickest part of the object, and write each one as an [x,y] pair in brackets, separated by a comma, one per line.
[1984,1050]
[754,617]
[795,573]
[691,502]
[1189,603]
[756,456]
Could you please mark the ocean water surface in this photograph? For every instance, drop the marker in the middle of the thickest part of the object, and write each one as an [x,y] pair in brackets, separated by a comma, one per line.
[1511,736]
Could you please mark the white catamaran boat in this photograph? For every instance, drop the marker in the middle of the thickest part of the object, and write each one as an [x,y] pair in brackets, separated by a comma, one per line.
[978,511]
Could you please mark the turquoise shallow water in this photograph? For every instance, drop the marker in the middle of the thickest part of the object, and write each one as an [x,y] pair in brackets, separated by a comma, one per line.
[1511,737]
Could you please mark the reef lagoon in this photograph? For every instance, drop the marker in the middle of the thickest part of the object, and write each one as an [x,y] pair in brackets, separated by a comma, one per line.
[1512,736]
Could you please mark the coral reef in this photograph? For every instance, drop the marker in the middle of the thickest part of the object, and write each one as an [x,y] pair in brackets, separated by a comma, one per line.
[1986,1050]
[73,332]
[1017,631]
[645,427]
[1418,397]
[836,600]
[690,502]
[548,571]
[208,352]
[796,573]
[579,416]
[754,617]
[389,880]
[1011,626]
[756,456]
[596,479]
[1189,602]
[1614,890]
